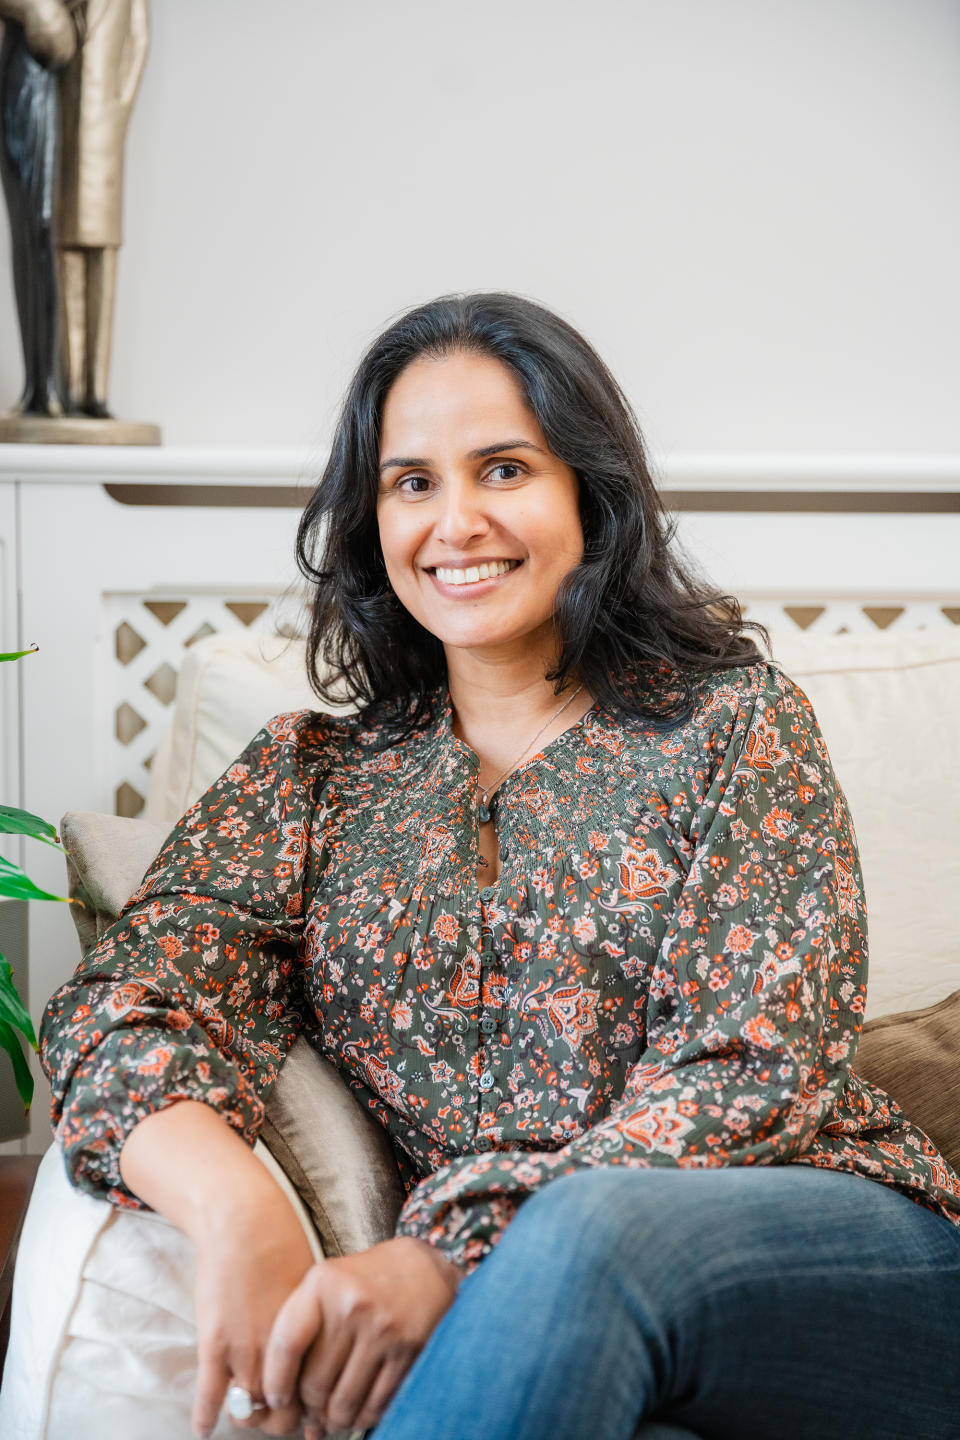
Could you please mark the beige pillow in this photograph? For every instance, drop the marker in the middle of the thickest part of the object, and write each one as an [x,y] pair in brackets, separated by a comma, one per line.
[915,1058]
[337,1156]
[107,857]
[887,704]
[228,687]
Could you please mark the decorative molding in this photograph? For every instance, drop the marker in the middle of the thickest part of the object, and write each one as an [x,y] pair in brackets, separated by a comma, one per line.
[832,615]
[160,465]
[814,472]
[285,467]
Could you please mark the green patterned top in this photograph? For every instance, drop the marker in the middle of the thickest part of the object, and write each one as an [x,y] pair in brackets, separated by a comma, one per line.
[671,969]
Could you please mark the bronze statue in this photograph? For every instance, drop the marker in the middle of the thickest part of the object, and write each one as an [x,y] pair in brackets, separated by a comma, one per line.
[38,38]
[96,95]
[96,90]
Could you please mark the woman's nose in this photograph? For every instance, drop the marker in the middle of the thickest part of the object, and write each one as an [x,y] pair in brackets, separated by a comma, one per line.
[462,514]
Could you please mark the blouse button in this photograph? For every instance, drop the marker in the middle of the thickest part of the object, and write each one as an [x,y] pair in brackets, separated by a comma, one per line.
[483,1142]
[486,1080]
[488,892]
[488,1024]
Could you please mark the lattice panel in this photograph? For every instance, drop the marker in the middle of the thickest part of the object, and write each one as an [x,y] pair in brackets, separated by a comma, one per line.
[147,638]
[850,616]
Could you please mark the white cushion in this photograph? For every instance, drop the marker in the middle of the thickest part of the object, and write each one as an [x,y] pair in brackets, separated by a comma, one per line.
[103,1334]
[888,704]
[228,687]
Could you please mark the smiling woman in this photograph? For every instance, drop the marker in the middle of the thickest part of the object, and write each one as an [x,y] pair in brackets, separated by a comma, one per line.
[447,521]
[573,903]
[484,428]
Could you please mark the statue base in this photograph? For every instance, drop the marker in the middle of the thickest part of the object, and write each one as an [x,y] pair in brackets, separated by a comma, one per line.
[18,428]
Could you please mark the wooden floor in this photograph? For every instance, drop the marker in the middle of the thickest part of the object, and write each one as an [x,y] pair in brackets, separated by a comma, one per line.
[17,1174]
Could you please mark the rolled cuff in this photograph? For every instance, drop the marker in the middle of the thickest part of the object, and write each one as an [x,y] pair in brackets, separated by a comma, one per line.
[129,1077]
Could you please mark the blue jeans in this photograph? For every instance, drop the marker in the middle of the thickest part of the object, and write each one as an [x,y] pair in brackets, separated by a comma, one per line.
[777,1302]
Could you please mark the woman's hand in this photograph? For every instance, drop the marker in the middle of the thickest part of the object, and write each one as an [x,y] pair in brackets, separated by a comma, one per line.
[248,1264]
[252,1252]
[348,1334]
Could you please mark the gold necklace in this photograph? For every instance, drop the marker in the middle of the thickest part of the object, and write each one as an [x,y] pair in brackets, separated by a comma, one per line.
[484,806]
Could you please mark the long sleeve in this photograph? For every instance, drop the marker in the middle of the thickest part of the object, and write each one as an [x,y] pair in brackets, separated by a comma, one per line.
[754,1002]
[196,991]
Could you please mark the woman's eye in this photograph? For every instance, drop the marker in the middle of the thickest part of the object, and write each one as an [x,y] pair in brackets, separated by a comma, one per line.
[420,484]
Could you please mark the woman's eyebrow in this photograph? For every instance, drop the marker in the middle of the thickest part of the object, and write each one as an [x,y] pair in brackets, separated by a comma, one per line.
[481,454]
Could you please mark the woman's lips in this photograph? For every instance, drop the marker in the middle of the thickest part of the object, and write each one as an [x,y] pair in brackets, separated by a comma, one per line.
[471,588]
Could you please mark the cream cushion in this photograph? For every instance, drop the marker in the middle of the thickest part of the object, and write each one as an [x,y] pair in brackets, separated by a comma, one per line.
[887,703]
[228,686]
[103,1335]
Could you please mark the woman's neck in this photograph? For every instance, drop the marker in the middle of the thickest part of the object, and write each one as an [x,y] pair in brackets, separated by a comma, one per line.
[500,703]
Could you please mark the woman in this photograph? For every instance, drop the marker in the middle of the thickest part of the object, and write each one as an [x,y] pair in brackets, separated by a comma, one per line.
[574,904]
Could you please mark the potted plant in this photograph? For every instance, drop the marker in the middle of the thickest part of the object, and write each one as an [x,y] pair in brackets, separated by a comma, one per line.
[15,884]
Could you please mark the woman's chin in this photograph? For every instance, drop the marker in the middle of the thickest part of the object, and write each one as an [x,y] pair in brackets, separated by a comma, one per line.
[476,642]
[490,641]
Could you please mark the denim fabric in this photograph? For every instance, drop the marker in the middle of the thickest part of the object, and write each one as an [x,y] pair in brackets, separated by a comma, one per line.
[777,1302]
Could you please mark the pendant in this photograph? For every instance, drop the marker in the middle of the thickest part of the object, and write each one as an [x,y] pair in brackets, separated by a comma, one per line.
[484,813]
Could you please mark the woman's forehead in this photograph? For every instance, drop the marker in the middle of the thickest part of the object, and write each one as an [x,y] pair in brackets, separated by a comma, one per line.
[473,400]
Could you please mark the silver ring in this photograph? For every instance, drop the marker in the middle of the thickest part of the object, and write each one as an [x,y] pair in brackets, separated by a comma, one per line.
[241,1404]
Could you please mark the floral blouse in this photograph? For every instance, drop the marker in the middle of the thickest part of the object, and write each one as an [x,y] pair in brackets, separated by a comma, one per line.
[671,969]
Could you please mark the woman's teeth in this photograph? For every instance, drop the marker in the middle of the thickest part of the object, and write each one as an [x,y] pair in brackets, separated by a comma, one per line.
[475,572]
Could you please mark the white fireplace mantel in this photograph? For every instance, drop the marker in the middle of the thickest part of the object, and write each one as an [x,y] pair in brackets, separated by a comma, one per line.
[680,471]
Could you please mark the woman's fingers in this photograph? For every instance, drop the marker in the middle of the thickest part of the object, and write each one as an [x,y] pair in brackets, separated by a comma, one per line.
[213,1377]
[217,1369]
[320,1373]
[280,1422]
[299,1322]
[257,1416]
[351,1388]
[343,1340]
[384,1387]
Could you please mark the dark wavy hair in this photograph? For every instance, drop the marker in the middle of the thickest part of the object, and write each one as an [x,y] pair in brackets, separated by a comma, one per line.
[634,606]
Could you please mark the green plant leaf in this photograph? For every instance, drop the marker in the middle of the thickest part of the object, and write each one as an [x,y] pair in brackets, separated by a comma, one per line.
[22,822]
[17,885]
[19,654]
[21,1069]
[12,1008]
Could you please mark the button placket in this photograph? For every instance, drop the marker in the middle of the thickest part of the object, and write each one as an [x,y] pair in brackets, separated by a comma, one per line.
[488,1023]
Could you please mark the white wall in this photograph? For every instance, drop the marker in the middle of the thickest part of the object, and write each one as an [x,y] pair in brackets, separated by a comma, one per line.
[752,207]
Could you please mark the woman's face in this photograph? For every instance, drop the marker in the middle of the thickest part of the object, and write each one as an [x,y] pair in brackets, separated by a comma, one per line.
[467,480]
